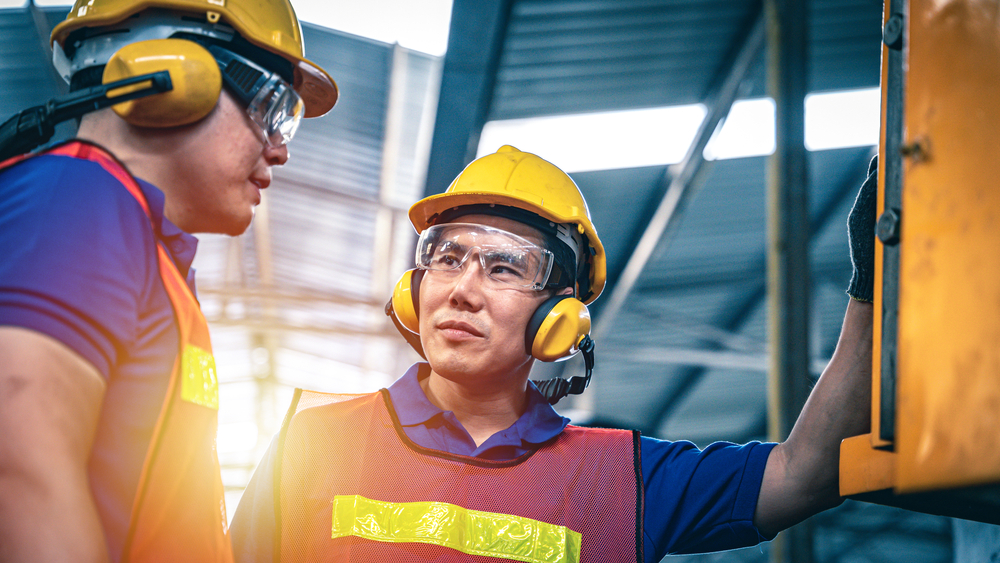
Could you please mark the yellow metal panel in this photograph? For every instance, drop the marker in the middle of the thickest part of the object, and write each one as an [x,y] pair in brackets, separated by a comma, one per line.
[876,423]
[948,410]
[864,469]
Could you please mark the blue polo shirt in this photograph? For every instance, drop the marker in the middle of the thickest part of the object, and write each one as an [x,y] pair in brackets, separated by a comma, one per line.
[696,501]
[80,266]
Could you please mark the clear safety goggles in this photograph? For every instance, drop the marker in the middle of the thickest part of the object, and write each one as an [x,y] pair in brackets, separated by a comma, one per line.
[270,102]
[506,259]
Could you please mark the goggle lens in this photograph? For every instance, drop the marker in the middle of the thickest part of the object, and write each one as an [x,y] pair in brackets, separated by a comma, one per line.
[277,109]
[507,259]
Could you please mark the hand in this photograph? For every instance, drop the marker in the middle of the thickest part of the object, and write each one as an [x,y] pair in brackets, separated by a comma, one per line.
[861,234]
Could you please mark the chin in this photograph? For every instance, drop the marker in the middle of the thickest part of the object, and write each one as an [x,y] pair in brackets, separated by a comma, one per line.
[239,229]
[465,368]
[232,226]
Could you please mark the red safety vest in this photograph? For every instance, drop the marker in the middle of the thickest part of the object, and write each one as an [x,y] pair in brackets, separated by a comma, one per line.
[352,487]
[179,511]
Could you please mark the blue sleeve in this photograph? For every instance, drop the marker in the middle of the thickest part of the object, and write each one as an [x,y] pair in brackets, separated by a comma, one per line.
[698,501]
[254,522]
[76,250]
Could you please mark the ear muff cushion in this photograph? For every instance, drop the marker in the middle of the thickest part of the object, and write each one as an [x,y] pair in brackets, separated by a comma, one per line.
[556,328]
[406,300]
[194,73]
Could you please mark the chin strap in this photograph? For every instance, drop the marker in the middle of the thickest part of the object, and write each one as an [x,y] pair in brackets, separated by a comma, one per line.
[557,387]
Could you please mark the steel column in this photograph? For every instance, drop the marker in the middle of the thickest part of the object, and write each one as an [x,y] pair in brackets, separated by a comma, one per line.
[478,29]
[678,183]
[788,240]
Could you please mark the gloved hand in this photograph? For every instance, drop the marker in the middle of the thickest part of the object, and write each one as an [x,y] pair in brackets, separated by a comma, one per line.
[861,234]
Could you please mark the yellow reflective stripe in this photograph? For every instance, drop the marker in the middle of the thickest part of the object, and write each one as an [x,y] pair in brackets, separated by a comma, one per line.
[449,525]
[199,382]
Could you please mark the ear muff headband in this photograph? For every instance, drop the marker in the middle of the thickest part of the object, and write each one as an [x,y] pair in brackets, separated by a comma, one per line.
[194,72]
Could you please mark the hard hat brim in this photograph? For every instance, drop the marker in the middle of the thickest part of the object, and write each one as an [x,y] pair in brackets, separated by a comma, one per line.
[317,89]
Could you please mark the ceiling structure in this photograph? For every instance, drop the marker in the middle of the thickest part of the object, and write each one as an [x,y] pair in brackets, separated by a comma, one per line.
[681,327]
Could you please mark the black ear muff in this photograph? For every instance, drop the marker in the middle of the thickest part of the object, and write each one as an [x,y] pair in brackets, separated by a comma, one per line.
[194,73]
[556,328]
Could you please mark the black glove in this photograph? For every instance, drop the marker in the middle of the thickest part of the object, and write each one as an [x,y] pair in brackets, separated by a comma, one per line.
[861,234]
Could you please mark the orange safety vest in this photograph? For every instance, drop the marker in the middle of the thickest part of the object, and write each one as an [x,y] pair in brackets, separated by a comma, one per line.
[179,511]
[353,487]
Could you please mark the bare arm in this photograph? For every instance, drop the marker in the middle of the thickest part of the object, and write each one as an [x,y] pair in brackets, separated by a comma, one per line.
[802,474]
[50,400]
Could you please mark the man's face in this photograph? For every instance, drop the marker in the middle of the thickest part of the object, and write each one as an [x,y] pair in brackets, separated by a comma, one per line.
[225,165]
[473,330]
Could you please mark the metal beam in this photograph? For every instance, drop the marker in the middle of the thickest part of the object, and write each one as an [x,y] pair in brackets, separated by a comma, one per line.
[788,231]
[676,186]
[42,27]
[475,43]
[277,326]
[286,298]
[385,216]
[264,343]
[708,359]
[827,269]
[736,316]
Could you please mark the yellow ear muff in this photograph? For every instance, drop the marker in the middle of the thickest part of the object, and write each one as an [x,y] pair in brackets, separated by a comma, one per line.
[405,300]
[557,328]
[194,73]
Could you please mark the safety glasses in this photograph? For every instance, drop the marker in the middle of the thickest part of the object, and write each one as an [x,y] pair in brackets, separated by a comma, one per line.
[270,102]
[507,259]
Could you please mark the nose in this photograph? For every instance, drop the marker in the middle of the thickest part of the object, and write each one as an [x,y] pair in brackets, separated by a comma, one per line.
[467,291]
[275,156]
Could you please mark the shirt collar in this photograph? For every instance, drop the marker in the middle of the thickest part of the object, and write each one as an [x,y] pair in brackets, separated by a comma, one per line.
[408,399]
[179,244]
[539,423]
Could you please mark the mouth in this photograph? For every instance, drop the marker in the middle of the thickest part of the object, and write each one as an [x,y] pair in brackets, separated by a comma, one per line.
[459,328]
[260,184]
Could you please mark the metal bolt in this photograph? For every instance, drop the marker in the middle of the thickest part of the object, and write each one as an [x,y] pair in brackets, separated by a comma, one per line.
[917,151]
[887,228]
[892,33]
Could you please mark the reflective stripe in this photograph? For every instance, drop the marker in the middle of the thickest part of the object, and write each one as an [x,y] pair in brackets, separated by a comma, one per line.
[449,525]
[200,384]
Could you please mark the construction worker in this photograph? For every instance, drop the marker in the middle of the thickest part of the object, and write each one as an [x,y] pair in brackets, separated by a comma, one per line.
[464,459]
[108,390]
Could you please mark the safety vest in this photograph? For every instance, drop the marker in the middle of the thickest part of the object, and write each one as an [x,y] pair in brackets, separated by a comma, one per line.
[353,487]
[179,511]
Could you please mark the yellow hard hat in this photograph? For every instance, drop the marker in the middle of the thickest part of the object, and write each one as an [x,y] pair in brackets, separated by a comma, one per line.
[525,181]
[268,24]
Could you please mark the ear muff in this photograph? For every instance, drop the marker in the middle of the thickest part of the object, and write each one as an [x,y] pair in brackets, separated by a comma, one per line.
[405,301]
[557,328]
[197,82]
[554,331]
